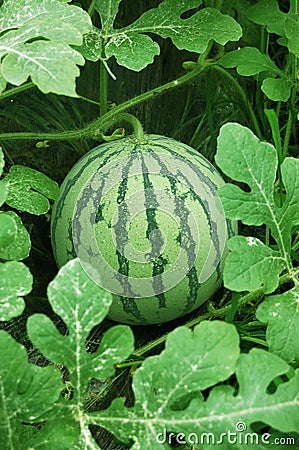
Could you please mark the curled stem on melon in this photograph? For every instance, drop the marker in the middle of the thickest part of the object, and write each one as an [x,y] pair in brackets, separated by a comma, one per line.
[139,136]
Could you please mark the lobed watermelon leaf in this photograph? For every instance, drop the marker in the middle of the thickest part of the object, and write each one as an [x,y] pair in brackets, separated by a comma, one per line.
[251,263]
[8,230]
[292,30]
[17,248]
[261,266]
[29,190]
[167,387]
[239,156]
[268,13]
[281,312]
[82,305]
[36,37]
[156,385]
[16,279]
[27,392]
[135,50]
[286,25]
[250,61]
[16,282]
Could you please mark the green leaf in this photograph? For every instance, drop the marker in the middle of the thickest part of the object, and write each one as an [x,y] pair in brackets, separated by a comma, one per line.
[52,70]
[27,392]
[238,155]
[213,349]
[250,61]
[16,281]
[135,50]
[292,31]
[82,305]
[267,12]
[60,433]
[3,82]
[166,380]
[107,10]
[20,247]
[277,89]
[252,264]
[8,229]
[2,162]
[281,312]
[132,52]
[157,384]
[29,190]
[253,403]
[193,33]
[37,41]
[3,193]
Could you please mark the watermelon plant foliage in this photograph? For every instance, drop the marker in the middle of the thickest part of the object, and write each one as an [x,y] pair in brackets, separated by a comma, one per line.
[276,83]
[26,190]
[167,387]
[29,190]
[33,39]
[229,383]
[134,49]
[252,263]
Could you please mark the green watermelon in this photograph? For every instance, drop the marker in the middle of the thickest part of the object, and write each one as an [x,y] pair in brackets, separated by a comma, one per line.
[147,224]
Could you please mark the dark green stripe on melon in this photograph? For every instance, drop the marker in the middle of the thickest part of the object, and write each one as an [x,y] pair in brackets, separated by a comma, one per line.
[81,201]
[122,238]
[211,186]
[154,235]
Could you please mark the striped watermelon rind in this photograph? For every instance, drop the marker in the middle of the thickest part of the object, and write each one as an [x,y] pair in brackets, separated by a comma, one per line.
[147,224]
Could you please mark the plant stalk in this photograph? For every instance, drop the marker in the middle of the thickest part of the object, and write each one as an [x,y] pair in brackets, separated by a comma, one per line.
[91,130]
[16,90]
[136,124]
[103,89]
[243,97]
[91,7]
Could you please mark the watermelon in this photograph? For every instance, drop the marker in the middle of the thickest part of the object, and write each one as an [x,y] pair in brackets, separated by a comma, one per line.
[147,224]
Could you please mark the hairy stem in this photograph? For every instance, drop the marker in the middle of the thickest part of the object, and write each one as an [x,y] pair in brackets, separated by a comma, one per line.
[16,90]
[89,130]
[137,127]
[103,89]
